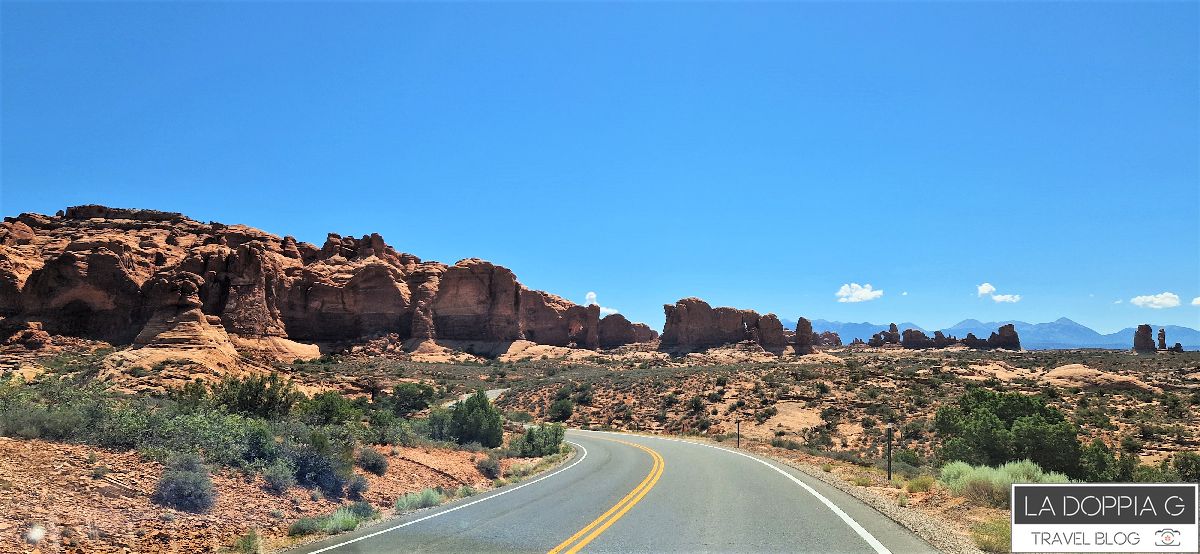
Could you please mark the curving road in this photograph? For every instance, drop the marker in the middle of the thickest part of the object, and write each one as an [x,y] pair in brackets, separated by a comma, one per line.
[632,493]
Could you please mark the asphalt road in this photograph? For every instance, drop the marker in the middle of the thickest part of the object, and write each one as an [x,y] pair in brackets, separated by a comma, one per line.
[630,493]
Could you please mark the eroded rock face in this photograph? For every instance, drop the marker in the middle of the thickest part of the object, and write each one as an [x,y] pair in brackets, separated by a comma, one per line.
[692,325]
[615,330]
[915,338]
[1162,339]
[827,338]
[127,276]
[1005,337]
[1143,340]
[804,336]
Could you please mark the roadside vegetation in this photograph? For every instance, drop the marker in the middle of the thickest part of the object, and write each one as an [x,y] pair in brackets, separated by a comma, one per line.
[262,425]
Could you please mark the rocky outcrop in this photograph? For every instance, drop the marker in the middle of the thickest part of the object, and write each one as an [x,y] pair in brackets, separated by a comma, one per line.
[1162,339]
[692,325]
[915,338]
[827,338]
[804,336]
[891,336]
[127,277]
[1143,340]
[616,330]
[1177,348]
[940,340]
[1005,338]
[971,341]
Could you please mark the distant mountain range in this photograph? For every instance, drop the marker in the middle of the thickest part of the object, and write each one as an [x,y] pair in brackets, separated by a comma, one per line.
[1061,333]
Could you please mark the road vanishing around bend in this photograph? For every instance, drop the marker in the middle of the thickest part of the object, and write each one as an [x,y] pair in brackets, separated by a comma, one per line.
[636,493]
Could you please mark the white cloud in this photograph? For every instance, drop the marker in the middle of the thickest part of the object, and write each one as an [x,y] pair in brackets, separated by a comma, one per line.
[1196,301]
[854,292]
[988,289]
[905,293]
[591,301]
[1156,301]
[1117,301]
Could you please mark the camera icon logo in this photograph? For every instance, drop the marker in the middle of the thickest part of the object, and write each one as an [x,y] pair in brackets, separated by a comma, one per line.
[1166,537]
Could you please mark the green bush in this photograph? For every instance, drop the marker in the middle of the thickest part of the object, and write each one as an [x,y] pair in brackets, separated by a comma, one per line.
[990,485]
[371,460]
[560,410]
[993,536]
[1187,465]
[268,397]
[476,420]
[409,398]
[328,408]
[250,543]
[923,483]
[489,467]
[341,520]
[364,511]
[186,486]
[280,476]
[356,487]
[543,440]
[426,498]
[991,428]
[304,526]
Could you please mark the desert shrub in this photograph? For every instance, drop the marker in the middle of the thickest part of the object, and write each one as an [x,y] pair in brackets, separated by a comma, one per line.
[991,428]
[466,491]
[489,467]
[328,408]
[186,486]
[1187,465]
[476,420]
[906,456]
[583,394]
[519,416]
[304,526]
[356,487]
[860,480]
[993,536]
[923,483]
[1097,463]
[371,460]
[409,398]
[827,467]
[323,459]
[425,498]
[341,520]
[543,440]
[250,543]
[438,425]
[280,476]
[363,510]
[990,485]
[268,397]
[560,410]
[902,498]
[786,443]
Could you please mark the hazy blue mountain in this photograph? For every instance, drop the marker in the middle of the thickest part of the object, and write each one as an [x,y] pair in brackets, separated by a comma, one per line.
[850,331]
[1061,333]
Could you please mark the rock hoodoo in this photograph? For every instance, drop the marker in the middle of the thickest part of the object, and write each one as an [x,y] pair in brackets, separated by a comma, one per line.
[1162,339]
[691,325]
[146,277]
[1143,340]
[804,336]
[1005,337]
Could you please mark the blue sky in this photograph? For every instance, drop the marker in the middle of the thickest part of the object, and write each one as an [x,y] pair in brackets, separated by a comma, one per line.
[759,156]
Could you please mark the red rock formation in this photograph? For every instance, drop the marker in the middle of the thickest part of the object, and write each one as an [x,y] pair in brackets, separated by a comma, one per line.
[616,330]
[694,325]
[827,338]
[1005,337]
[101,273]
[915,338]
[804,336]
[1162,339]
[1143,340]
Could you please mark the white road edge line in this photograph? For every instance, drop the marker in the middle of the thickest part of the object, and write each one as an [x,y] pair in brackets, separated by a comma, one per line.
[456,508]
[866,535]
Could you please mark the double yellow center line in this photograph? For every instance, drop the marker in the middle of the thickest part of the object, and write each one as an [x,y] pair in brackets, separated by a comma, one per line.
[574,543]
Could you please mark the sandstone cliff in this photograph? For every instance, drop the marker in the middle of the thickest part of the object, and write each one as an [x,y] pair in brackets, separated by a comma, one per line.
[692,325]
[151,278]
